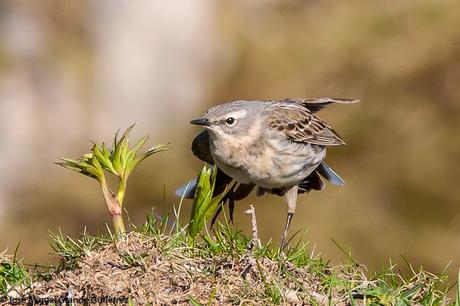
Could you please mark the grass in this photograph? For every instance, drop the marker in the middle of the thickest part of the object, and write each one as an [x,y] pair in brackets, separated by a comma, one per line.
[157,263]
[12,272]
[163,262]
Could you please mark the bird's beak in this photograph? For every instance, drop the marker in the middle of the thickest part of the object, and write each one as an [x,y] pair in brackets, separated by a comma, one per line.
[201,121]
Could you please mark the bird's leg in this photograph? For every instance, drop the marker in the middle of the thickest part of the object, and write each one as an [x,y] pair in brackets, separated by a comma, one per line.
[291,200]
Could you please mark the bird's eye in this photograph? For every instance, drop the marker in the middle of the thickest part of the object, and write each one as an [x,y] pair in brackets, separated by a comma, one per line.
[230,120]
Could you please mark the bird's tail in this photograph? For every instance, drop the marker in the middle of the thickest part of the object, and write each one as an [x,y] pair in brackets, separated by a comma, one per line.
[325,171]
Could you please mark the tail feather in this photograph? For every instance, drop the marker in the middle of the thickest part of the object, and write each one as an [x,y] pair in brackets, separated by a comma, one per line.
[330,174]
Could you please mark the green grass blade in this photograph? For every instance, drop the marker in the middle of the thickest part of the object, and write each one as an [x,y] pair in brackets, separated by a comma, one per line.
[204,205]
[457,300]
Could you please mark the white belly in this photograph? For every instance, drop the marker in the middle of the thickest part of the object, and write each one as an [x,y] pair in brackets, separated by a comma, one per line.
[271,167]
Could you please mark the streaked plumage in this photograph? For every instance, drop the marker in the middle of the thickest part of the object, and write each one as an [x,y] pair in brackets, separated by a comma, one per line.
[277,146]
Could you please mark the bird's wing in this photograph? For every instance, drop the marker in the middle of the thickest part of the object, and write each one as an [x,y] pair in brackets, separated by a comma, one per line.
[200,147]
[316,104]
[300,125]
[187,191]
[311,182]
[242,191]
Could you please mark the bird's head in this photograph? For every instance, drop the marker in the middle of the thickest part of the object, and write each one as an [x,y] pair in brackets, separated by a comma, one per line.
[231,121]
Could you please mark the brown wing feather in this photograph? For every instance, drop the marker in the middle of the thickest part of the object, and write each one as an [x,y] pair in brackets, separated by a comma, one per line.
[300,125]
[316,104]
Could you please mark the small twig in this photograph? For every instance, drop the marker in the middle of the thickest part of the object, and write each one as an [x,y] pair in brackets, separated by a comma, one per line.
[255,235]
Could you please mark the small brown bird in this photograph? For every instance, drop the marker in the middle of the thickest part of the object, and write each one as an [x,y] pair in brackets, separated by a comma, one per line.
[276,146]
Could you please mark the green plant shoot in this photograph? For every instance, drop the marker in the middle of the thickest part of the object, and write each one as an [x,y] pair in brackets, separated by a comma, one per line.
[204,204]
[120,160]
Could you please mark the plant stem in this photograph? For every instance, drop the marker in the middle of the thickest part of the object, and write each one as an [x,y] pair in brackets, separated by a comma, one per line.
[118,219]
[114,208]
[118,225]
[121,191]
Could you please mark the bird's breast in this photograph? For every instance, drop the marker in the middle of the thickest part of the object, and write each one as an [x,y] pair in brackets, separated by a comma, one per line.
[233,159]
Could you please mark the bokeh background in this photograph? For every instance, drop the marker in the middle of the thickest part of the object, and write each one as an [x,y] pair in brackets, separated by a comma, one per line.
[75,71]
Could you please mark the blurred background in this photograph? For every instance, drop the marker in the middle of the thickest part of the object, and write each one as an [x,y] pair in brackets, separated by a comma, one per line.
[76,71]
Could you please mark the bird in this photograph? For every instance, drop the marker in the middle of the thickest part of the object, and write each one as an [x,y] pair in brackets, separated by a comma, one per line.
[274,146]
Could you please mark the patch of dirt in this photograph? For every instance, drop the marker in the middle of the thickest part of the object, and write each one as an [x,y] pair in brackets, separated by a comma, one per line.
[134,269]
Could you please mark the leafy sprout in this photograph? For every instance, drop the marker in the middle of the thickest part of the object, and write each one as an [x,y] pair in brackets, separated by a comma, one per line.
[204,204]
[120,161]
